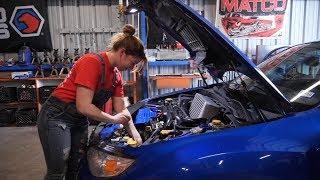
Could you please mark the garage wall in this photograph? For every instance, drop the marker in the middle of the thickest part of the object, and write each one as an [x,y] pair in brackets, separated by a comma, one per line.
[302,24]
[85,23]
[78,23]
[90,24]
[74,24]
[207,8]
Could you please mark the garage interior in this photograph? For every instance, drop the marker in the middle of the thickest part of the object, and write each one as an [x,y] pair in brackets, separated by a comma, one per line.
[76,27]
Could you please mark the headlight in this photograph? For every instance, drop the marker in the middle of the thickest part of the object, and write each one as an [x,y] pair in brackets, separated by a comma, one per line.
[102,164]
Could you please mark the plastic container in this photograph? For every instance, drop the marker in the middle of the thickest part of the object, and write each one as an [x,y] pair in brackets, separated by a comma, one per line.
[8,94]
[7,117]
[25,55]
[26,94]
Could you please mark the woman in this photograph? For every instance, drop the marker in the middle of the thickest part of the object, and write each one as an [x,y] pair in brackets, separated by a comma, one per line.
[94,78]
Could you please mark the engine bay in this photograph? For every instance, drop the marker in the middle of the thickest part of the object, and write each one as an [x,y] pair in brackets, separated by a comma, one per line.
[195,112]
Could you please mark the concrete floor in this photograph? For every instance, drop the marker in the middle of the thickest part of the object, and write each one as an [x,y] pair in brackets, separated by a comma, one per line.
[21,155]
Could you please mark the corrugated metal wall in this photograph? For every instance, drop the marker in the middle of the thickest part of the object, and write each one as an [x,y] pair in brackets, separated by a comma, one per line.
[74,24]
[85,23]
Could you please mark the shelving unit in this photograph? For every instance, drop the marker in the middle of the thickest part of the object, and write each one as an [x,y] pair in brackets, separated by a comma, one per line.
[174,81]
[168,75]
[16,104]
[37,82]
[43,86]
[40,82]
[54,81]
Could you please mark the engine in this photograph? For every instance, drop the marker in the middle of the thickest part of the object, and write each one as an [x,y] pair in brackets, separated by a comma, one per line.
[206,110]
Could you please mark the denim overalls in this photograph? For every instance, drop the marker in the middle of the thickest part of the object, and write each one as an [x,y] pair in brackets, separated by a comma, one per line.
[63,132]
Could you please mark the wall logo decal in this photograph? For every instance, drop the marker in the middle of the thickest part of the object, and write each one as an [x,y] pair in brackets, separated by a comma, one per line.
[27,21]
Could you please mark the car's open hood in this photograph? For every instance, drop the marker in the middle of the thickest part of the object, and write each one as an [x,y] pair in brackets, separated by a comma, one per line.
[204,42]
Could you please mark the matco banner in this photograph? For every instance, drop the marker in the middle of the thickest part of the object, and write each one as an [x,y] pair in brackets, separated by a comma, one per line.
[24,23]
[251,18]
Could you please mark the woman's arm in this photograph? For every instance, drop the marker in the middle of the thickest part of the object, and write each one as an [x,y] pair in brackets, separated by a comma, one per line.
[119,107]
[84,105]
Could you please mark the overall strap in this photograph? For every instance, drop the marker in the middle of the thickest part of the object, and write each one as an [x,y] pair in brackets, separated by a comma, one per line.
[103,73]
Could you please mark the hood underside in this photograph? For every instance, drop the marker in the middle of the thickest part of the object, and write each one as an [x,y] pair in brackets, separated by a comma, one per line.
[205,43]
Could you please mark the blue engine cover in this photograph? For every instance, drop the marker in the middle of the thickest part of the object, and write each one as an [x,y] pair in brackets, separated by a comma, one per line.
[145,115]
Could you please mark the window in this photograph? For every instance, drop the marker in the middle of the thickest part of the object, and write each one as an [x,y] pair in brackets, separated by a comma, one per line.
[296,73]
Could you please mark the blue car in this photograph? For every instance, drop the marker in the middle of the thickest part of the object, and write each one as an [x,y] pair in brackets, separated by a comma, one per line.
[246,122]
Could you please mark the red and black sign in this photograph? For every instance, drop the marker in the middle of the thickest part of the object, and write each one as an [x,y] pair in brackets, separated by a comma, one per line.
[24,23]
[252,18]
[253,7]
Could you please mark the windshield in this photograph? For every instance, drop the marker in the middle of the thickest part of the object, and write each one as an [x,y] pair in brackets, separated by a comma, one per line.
[296,73]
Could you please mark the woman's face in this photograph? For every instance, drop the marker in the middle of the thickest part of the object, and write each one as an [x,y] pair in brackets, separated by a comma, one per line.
[127,62]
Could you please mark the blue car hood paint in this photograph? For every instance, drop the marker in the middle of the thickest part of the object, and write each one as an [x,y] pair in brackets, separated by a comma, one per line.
[198,35]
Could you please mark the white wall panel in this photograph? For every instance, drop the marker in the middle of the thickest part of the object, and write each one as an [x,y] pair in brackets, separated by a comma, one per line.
[210,10]
[297,22]
[302,24]
[312,19]
[284,40]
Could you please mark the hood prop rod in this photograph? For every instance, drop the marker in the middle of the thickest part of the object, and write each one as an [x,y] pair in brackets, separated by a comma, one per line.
[246,93]
[203,78]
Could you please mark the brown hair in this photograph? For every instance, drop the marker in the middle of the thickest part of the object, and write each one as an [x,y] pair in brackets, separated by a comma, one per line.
[132,45]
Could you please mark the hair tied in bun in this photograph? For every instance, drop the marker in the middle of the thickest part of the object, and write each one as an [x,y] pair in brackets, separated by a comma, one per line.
[128,29]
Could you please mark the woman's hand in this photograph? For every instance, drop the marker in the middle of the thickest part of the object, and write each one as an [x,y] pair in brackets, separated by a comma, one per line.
[118,105]
[120,118]
[136,136]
